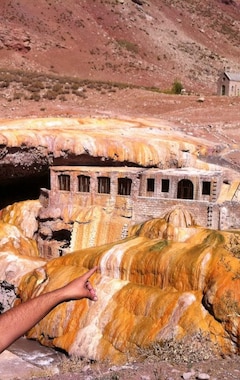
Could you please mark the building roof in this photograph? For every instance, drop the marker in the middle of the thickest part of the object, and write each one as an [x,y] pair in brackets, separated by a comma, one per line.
[233,76]
[137,170]
[90,169]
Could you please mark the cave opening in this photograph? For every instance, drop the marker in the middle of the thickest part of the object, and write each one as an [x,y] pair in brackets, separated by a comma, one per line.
[23,188]
[62,235]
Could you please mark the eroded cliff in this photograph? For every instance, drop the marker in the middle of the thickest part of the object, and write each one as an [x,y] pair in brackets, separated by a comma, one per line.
[150,290]
[32,144]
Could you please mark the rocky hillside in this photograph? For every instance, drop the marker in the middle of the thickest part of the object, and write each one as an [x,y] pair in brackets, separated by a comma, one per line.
[139,42]
[94,58]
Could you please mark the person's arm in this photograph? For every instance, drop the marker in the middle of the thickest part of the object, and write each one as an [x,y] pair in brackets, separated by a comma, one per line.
[17,321]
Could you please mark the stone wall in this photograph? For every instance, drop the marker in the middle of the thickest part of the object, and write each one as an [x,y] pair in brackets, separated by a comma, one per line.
[64,206]
[204,213]
[229,215]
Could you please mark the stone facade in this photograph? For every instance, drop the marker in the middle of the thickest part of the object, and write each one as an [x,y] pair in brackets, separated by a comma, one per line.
[127,196]
[228,84]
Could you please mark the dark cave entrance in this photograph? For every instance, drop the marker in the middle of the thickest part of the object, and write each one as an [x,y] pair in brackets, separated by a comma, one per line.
[22,189]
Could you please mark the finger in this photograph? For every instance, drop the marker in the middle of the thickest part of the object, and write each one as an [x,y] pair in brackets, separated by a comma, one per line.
[93,295]
[88,274]
[88,285]
[91,291]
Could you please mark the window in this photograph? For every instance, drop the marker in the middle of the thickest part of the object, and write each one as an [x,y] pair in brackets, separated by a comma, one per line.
[150,184]
[84,184]
[165,185]
[206,188]
[104,185]
[185,189]
[124,186]
[64,182]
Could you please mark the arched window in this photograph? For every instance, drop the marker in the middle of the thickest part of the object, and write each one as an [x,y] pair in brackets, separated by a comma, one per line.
[64,182]
[185,189]
[124,186]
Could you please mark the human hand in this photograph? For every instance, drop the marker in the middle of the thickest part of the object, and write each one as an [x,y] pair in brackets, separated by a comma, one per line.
[81,287]
[32,311]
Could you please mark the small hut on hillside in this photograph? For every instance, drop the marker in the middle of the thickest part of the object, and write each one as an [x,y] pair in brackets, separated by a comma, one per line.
[229,84]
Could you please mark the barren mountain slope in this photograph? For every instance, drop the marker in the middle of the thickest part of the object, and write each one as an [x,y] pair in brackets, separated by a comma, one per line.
[149,42]
[119,40]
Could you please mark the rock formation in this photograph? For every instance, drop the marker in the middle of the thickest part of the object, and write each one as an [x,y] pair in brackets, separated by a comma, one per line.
[28,146]
[151,289]
[18,249]
[167,279]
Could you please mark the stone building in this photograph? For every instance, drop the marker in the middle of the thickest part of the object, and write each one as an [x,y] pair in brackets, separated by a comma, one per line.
[125,196]
[228,84]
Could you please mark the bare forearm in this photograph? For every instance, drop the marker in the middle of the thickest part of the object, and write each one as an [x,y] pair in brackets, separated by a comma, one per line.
[19,320]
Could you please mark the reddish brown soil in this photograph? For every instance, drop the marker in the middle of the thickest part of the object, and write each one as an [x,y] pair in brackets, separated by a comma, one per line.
[190,41]
[218,369]
[151,44]
[210,117]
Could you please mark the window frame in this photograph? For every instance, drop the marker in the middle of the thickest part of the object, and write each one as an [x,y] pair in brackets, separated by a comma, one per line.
[165,185]
[104,185]
[206,187]
[84,183]
[124,186]
[150,185]
[64,182]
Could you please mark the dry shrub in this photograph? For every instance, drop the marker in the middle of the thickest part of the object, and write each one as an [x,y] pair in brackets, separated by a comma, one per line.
[189,350]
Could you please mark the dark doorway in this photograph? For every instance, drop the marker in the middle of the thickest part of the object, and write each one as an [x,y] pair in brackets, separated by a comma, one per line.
[185,189]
